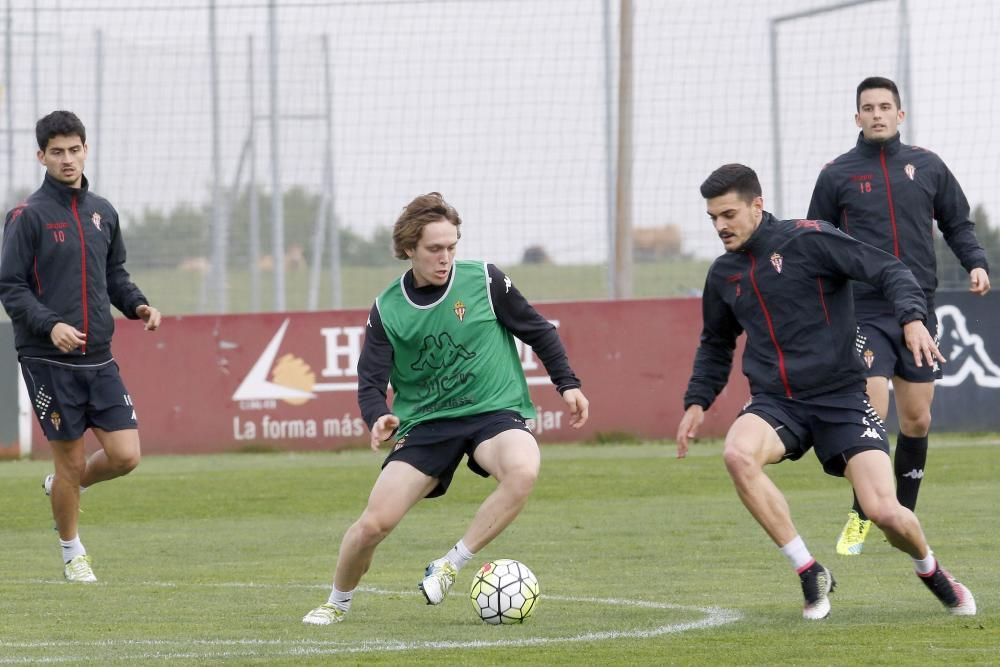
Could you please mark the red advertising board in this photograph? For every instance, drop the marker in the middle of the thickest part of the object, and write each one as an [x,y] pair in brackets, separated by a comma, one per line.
[288,380]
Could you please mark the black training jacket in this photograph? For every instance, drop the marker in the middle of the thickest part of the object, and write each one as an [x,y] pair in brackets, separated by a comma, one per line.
[63,260]
[888,195]
[789,288]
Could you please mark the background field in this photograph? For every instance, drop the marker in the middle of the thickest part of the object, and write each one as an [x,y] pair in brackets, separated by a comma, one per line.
[176,292]
[642,559]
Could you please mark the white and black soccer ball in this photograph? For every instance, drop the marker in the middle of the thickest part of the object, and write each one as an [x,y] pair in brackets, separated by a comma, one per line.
[504,591]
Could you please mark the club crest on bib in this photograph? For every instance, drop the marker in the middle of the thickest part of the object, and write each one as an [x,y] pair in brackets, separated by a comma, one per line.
[96,219]
[776,261]
[460,311]
[910,171]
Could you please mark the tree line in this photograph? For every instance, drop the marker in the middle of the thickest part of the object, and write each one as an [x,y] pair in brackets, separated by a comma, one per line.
[167,239]
[158,239]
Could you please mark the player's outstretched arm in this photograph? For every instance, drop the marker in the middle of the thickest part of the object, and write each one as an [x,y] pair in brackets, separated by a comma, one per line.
[579,407]
[688,428]
[920,342]
[382,430]
[979,281]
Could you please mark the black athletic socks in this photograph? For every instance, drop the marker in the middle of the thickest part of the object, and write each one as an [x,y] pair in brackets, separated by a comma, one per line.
[911,456]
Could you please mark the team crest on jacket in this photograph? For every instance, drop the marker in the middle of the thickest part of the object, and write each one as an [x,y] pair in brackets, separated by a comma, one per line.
[910,170]
[96,219]
[776,261]
[460,311]
[869,357]
[56,420]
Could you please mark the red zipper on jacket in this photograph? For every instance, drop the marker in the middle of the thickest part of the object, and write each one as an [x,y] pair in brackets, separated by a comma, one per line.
[770,327]
[38,279]
[892,209]
[83,270]
[822,300]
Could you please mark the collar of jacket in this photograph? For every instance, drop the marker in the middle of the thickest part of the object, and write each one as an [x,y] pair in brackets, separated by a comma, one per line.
[869,147]
[64,193]
[760,234]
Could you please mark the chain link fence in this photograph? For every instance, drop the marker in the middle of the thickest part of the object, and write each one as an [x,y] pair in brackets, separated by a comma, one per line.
[259,152]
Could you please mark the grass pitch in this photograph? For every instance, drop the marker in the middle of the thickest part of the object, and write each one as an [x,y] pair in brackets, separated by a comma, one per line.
[642,560]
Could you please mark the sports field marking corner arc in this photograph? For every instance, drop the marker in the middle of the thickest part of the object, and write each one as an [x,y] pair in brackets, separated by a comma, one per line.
[258,648]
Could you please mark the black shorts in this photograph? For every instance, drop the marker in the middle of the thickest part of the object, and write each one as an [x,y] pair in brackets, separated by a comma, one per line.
[837,426]
[435,448]
[884,351]
[70,399]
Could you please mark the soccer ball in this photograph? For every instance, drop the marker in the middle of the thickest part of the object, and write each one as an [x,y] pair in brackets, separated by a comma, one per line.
[504,591]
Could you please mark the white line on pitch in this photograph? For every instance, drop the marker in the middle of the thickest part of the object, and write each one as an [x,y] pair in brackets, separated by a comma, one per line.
[714,616]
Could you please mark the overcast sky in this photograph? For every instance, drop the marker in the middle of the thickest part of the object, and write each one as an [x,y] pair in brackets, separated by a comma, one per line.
[498,104]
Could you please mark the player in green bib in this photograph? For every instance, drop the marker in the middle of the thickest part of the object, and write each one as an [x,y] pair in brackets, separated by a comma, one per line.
[443,336]
[453,358]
